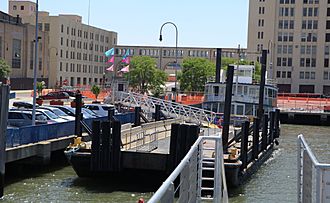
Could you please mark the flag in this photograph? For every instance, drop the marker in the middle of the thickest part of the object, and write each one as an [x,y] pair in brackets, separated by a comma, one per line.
[110,52]
[111,60]
[126,60]
[110,68]
[125,69]
[125,56]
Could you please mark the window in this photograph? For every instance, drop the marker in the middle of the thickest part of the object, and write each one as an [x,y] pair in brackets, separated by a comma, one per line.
[14,7]
[326,63]
[62,28]
[47,27]
[327,37]
[325,75]
[301,75]
[278,74]
[22,8]
[16,53]
[289,74]
[0,47]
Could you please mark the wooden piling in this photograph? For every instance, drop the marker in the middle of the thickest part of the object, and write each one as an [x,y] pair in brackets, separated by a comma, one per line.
[255,149]
[157,112]
[4,106]
[244,144]
[262,84]
[115,151]
[95,148]
[78,127]
[271,126]
[277,124]
[137,121]
[111,113]
[264,132]
[227,110]
[105,147]
[175,130]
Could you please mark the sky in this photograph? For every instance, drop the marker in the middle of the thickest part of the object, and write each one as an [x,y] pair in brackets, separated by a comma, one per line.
[202,23]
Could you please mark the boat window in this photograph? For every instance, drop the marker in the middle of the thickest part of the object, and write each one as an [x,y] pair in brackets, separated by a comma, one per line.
[245,90]
[239,90]
[216,90]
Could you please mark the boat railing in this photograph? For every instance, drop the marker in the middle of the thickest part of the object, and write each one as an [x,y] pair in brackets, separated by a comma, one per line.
[313,177]
[185,183]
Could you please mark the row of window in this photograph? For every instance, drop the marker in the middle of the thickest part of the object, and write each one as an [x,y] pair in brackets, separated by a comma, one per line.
[84,45]
[286,11]
[309,24]
[310,12]
[284,49]
[306,75]
[283,74]
[285,37]
[287,1]
[44,27]
[284,62]
[308,62]
[81,68]
[80,81]
[286,24]
[85,34]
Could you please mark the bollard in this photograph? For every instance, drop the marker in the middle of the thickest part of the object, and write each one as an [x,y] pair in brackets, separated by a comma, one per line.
[95,149]
[4,96]
[78,130]
[255,149]
[264,133]
[244,144]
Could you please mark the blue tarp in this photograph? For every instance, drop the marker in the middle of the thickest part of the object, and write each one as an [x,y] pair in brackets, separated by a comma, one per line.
[33,134]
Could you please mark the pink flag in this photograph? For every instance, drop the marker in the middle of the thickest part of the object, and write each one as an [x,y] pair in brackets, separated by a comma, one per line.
[125,69]
[111,60]
[127,60]
[110,68]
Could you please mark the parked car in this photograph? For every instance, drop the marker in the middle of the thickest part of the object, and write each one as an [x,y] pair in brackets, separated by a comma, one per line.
[51,117]
[58,112]
[100,109]
[55,95]
[71,93]
[72,111]
[24,118]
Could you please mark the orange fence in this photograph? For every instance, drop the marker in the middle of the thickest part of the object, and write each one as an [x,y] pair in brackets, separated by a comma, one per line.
[189,99]
[303,103]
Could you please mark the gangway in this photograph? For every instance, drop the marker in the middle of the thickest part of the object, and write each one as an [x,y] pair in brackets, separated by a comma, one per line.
[169,108]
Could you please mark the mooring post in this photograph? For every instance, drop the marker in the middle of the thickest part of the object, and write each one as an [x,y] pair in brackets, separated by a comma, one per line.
[264,132]
[115,146]
[218,66]
[4,106]
[175,130]
[137,121]
[157,112]
[95,148]
[78,129]
[111,113]
[255,150]
[244,144]
[262,84]
[271,126]
[105,146]
[277,124]
[227,110]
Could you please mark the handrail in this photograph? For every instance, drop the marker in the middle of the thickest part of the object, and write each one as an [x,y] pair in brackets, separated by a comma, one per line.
[169,182]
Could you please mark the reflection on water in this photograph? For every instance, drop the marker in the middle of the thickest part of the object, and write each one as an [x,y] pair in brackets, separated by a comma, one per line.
[276,180]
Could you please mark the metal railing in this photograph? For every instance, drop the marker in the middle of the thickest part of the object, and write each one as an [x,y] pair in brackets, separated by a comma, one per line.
[185,182]
[313,177]
[171,109]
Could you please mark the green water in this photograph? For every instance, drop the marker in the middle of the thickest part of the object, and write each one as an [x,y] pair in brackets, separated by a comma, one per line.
[276,181]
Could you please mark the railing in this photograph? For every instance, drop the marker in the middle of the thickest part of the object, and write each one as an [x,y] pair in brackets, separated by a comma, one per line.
[189,174]
[313,177]
[171,109]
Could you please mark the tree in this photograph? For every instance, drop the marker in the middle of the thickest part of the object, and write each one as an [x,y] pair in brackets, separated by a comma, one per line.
[96,91]
[194,74]
[145,76]
[4,69]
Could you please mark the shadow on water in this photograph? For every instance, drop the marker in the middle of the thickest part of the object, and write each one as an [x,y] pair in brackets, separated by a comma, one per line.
[27,169]
[127,181]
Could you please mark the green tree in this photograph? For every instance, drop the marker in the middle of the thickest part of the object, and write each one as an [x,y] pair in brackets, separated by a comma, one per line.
[194,74]
[4,69]
[96,91]
[145,76]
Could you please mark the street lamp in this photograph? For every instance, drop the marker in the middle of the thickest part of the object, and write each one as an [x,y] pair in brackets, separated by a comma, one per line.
[176,52]
[35,68]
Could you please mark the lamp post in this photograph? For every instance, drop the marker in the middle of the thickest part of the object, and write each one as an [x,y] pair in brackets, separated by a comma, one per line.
[176,53]
[35,69]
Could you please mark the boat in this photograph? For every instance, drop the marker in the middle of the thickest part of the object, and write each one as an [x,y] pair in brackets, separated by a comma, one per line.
[245,97]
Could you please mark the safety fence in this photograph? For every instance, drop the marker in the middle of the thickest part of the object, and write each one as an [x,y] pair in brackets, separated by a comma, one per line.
[32,134]
[303,104]
[313,177]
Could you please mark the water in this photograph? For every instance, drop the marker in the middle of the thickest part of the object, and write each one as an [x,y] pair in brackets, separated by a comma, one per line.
[276,180]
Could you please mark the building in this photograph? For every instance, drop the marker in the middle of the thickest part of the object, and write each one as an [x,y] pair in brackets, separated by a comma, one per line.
[76,50]
[17,43]
[297,36]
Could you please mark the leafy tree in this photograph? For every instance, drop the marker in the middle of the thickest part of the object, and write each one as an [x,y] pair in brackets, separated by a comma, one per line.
[96,90]
[145,76]
[194,74]
[4,69]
